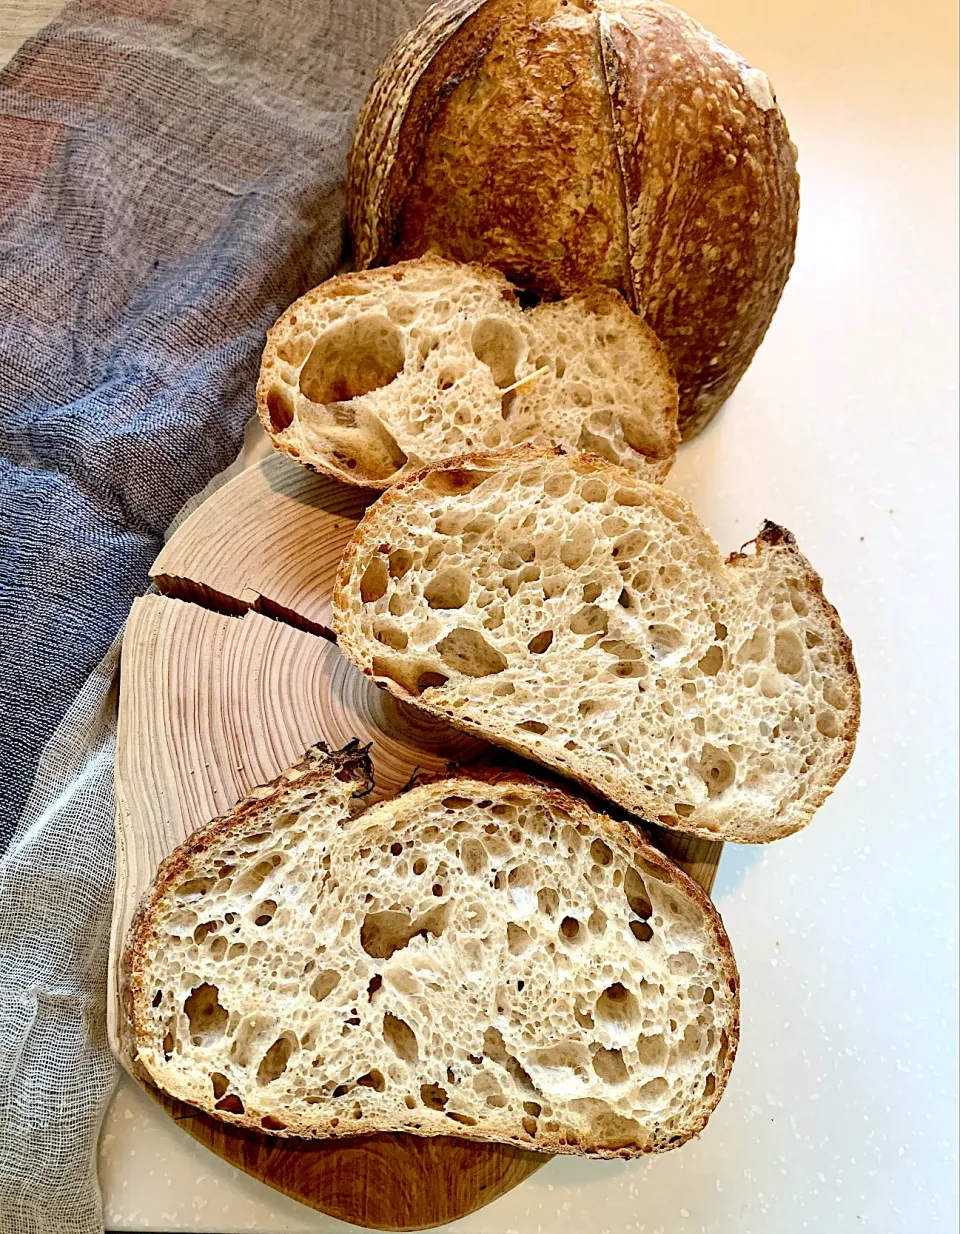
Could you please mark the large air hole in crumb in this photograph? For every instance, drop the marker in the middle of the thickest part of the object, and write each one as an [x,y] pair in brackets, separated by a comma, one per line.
[601,853]
[570,929]
[250,1032]
[433,1096]
[390,636]
[635,891]
[828,725]
[617,1007]
[279,410]
[716,769]
[497,344]
[274,1062]
[325,982]
[593,491]
[231,1104]
[473,856]
[451,481]
[468,652]
[352,358]
[448,589]
[653,1092]
[712,662]
[548,901]
[373,584]
[788,652]
[264,913]
[400,562]
[401,1038]
[664,641]
[220,1084]
[632,545]
[383,934]
[651,1050]
[834,696]
[373,1079]
[610,1067]
[206,1018]
[518,940]
[589,620]
[756,648]
[194,889]
[540,642]
[428,679]
[597,922]
[577,547]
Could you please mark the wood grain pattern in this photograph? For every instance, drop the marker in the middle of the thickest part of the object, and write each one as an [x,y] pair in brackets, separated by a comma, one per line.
[216,698]
[269,540]
[384,1182]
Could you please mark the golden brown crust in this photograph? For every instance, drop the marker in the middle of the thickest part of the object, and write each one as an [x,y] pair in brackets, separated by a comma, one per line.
[515,164]
[712,222]
[379,162]
[317,765]
[605,141]
[771,539]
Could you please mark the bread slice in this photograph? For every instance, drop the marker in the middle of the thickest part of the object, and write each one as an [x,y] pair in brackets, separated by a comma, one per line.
[374,375]
[563,608]
[485,958]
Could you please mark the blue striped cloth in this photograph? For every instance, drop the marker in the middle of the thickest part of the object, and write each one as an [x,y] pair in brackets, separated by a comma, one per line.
[172,178]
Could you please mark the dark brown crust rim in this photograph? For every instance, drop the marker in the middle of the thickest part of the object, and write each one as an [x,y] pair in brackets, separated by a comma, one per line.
[771,538]
[596,299]
[351,762]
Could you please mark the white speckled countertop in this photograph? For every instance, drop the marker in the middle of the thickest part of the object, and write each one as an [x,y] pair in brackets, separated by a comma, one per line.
[840,1115]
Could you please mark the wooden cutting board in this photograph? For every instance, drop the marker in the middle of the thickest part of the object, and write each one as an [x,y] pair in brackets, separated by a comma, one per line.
[226,678]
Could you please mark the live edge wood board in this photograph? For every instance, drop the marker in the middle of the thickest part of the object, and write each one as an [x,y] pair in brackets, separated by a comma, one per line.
[227,676]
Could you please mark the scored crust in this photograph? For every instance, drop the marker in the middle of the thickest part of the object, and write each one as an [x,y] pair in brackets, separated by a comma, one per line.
[714,697]
[571,143]
[690,949]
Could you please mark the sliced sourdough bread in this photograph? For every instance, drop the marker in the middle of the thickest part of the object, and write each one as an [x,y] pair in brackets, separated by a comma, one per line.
[569,611]
[376,374]
[479,957]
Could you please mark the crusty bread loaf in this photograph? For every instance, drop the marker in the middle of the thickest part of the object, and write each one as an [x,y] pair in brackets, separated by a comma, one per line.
[567,610]
[485,958]
[374,375]
[612,141]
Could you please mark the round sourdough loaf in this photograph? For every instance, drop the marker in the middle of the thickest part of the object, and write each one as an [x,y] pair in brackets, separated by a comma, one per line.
[573,141]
